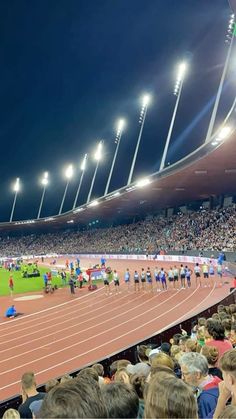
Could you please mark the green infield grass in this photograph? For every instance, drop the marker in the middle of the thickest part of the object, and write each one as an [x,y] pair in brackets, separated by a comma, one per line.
[22,285]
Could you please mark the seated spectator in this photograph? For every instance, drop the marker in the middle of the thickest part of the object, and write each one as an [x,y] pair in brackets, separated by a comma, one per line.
[212,355]
[176,352]
[139,382]
[100,370]
[227,388]
[29,394]
[89,371]
[228,413]
[75,399]
[141,368]
[168,397]
[162,359]
[122,376]
[50,384]
[121,400]
[191,345]
[217,337]
[232,337]
[65,378]
[194,368]
[11,414]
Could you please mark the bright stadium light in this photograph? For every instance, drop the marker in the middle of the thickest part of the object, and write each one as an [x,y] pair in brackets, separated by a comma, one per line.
[119,132]
[224,132]
[93,203]
[146,99]
[177,92]
[16,189]
[230,40]
[143,182]
[44,182]
[97,157]
[82,168]
[68,174]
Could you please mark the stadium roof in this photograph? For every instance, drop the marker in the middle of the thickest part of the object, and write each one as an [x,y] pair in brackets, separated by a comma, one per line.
[208,171]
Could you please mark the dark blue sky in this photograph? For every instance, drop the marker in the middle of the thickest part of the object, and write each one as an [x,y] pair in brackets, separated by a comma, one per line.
[70,68]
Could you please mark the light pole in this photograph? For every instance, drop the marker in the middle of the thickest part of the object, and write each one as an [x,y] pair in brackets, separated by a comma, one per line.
[177,93]
[230,39]
[117,141]
[97,157]
[16,189]
[68,174]
[82,168]
[44,182]
[142,117]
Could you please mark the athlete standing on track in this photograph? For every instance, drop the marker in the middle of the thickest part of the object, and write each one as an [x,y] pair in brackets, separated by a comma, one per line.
[136,281]
[163,279]
[149,279]
[157,278]
[116,281]
[143,279]
[197,271]
[127,278]
[176,277]
[11,284]
[171,276]
[182,276]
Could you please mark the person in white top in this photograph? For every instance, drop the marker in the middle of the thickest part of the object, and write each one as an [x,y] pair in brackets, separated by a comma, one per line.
[197,271]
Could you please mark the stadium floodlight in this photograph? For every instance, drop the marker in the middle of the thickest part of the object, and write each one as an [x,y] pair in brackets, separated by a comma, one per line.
[93,203]
[142,182]
[177,92]
[97,157]
[230,41]
[224,132]
[119,132]
[44,182]
[68,174]
[16,189]
[146,99]
[82,168]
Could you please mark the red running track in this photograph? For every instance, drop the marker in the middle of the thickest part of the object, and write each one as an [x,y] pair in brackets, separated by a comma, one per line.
[60,333]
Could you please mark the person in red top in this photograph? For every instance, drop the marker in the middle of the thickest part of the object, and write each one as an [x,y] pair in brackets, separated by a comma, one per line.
[11,284]
[216,333]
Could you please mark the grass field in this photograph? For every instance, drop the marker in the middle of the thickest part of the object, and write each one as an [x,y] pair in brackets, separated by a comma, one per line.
[22,285]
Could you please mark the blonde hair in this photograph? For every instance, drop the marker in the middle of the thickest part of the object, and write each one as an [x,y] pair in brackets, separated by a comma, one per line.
[192,346]
[122,376]
[169,397]
[211,353]
[162,359]
[11,414]
[176,352]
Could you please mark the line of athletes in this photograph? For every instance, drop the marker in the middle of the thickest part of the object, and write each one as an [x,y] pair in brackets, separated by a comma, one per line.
[173,276]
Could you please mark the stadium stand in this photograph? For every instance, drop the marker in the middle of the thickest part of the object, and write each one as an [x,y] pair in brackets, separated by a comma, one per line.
[202,230]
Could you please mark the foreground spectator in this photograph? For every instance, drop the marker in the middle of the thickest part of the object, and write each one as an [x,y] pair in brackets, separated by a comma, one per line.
[217,339]
[11,414]
[50,384]
[121,400]
[227,388]
[168,397]
[74,399]
[29,394]
[212,355]
[194,368]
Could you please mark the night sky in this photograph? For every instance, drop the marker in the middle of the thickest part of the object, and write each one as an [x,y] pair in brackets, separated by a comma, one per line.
[70,68]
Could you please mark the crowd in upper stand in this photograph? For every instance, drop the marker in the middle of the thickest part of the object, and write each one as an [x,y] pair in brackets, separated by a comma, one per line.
[213,230]
[193,376]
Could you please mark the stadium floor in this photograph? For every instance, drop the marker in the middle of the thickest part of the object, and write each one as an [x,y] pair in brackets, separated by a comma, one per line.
[60,333]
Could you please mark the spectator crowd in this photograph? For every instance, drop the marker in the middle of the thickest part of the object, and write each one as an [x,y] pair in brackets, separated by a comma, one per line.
[192,376]
[213,230]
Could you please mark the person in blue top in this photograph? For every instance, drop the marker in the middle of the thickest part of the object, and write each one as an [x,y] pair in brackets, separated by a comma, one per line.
[103,262]
[10,312]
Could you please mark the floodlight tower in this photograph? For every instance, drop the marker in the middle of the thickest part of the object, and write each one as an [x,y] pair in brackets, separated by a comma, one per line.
[16,189]
[119,133]
[82,168]
[68,175]
[145,102]
[177,92]
[97,157]
[231,33]
[44,182]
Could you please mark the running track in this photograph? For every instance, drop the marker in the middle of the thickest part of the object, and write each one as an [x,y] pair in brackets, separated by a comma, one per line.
[65,333]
